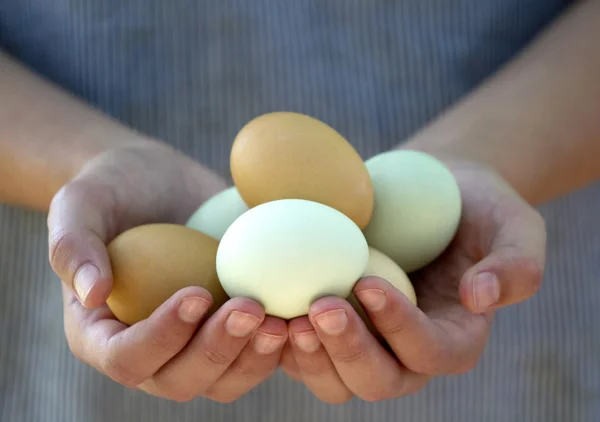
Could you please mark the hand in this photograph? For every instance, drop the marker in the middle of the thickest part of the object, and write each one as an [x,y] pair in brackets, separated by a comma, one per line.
[496,259]
[168,354]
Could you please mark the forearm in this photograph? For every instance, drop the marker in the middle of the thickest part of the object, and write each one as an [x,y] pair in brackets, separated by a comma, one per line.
[538,120]
[46,135]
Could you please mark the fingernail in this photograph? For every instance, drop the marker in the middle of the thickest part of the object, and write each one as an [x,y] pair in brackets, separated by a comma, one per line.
[308,341]
[85,279]
[373,299]
[332,322]
[241,324]
[486,290]
[192,309]
[265,344]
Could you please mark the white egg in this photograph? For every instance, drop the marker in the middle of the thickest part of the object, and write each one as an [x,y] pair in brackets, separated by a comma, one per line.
[384,267]
[287,253]
[216,215]
[417,207]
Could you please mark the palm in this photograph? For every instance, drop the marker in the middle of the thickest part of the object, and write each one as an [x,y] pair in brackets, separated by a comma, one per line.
[438,285]
[444,294]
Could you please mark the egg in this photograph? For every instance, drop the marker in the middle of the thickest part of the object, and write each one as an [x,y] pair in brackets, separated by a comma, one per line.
[216,215]
[287,253]
[417,207]
[380,265]
[152,262]
[286,155]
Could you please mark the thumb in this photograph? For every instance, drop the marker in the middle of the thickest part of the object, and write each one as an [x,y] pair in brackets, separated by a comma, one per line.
[513,270]
[79,224]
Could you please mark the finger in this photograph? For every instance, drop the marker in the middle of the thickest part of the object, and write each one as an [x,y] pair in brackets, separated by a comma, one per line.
[316,369]
[130,355]
[288,364]
[513,271]
[79,224]
[212,351]
[366,368]
[255,364]
[421,343]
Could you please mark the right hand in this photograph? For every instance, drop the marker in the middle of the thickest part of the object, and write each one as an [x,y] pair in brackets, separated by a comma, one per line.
[171,354]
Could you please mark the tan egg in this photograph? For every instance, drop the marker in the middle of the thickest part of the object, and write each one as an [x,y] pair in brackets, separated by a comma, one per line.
[152,262]
[382,266]
[285,155]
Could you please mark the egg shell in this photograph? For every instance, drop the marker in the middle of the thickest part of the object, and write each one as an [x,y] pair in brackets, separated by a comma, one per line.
[417,207]
[152,262]
[286,155]
[216,215]
[382,266]
[285,254]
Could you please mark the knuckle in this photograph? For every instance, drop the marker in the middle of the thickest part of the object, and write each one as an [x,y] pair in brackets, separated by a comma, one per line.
[348,353]
[163,343]
[61,246]
[314,369]
[215,356]
[392,327]
[113,367]
[251,371]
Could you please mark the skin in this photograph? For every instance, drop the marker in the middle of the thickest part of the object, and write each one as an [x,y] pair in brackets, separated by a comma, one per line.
[528,135]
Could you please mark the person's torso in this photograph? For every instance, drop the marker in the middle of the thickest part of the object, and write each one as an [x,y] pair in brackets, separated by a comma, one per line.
[193,72]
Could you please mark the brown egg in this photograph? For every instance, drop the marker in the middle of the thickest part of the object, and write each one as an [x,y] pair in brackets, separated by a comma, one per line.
[152,262]
[287,155]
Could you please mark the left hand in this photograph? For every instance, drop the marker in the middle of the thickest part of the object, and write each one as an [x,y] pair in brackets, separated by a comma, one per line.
[496,259]
[178,352]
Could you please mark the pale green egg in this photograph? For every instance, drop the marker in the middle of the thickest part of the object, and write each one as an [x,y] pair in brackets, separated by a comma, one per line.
[218,213]
[417,207]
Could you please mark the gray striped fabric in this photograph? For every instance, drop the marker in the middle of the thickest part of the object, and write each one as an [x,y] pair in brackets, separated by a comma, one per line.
[192,72]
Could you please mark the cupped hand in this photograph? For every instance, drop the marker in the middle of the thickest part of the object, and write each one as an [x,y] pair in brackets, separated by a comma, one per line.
[177,353]
[496,259]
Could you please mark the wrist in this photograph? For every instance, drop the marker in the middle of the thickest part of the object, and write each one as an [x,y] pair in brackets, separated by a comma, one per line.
[450,156]
[468,152]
